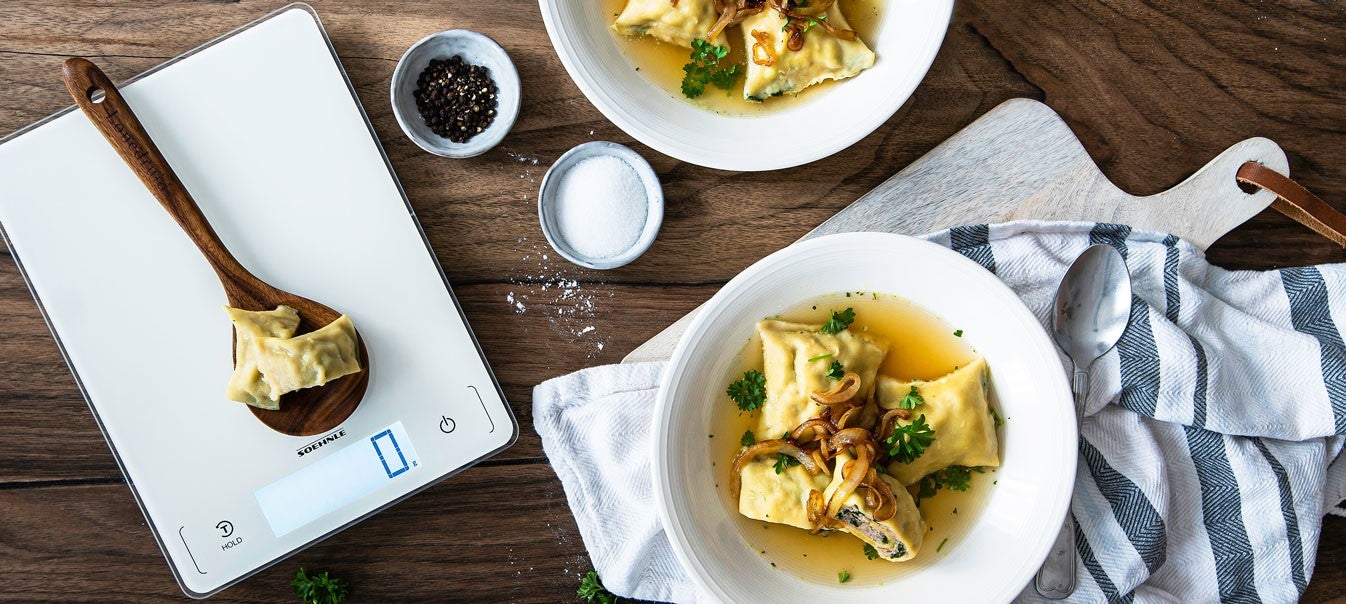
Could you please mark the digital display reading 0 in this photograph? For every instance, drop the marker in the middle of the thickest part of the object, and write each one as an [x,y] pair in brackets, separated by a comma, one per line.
[337,480]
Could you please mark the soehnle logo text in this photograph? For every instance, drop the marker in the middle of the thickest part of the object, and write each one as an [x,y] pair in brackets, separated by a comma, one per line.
[318,444]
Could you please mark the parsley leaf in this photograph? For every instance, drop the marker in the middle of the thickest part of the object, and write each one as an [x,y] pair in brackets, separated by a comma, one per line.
[956,477]
[836,371]
[843,576]
[941,544]
[821,357]
[909,441]
[592,590]
[995,417]
[870,552]
[912,399]
[750,392]
[319,588]
[705,68]
[839,321]
[748,439]
[958,333]
[784,461]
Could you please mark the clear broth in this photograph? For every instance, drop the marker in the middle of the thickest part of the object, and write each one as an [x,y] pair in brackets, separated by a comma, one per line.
[661,63]
[923,347]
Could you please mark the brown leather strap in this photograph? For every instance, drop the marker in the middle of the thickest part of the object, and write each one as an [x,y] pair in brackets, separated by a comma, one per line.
[1296,201]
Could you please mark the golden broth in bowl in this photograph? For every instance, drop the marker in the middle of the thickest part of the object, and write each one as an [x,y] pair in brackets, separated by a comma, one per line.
[661,63]
[921,347]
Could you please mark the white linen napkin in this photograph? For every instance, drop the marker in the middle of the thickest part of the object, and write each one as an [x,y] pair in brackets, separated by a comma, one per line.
[1207,458]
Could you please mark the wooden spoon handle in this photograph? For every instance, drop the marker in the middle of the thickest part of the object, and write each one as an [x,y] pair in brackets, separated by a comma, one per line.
[118,124]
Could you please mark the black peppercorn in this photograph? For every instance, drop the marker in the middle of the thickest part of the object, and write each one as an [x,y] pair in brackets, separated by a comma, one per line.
[457,100]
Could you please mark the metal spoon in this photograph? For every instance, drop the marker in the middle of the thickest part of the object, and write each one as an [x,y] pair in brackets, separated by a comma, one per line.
[1090,313]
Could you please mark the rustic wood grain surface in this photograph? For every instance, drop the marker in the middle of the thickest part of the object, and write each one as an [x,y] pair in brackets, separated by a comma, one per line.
[1154,89]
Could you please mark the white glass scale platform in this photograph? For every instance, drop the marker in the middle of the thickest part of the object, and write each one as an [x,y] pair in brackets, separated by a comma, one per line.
[263,127]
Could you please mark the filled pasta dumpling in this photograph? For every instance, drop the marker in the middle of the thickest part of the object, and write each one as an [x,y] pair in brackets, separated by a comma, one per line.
[673,22]
[955,407]
[796,361]
[774,69]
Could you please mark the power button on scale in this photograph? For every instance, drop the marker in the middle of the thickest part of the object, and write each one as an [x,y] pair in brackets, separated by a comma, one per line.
[447,425]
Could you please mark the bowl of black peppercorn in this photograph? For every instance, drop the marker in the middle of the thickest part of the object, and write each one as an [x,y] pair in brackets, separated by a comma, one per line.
[455,93]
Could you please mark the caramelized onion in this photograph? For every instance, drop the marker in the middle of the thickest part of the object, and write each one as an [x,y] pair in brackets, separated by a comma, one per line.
[849,418]
[819,426]
[887,507]
[762,52]
[814,8]
[726,17]
[767,447]
[849,385]
[889,418]
[850,479]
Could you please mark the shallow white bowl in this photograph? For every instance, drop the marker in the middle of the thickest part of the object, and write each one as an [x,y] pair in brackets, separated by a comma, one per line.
[476,49]
[551,182]
[1001,551]
[908,36]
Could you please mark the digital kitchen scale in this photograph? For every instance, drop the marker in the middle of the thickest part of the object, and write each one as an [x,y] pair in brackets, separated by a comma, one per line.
[265,130]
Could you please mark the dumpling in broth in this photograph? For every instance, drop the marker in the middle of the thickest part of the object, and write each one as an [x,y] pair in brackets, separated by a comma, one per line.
[677,22]
[796,359]
[956,409]
[778,497]
[823,57]
[898,538]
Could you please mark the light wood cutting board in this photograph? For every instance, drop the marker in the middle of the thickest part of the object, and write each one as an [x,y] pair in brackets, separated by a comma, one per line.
[1020,161]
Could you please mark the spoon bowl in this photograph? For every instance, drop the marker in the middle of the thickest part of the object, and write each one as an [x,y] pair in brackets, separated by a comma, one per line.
[1092,306]
[302,413]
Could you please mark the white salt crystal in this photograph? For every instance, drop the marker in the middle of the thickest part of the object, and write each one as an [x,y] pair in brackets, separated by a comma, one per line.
[601,207]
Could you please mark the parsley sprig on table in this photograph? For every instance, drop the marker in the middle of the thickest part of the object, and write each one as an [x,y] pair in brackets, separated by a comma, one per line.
[839,321]
[319,588]
[908,441]
[591,590]
[750,392]
[706,68]
[912,399]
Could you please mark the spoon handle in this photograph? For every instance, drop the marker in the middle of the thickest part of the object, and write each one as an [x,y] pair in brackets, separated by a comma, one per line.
[118,124]
[1056,579]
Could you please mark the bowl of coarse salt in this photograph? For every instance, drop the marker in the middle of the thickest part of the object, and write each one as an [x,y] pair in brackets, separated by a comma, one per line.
[600,205]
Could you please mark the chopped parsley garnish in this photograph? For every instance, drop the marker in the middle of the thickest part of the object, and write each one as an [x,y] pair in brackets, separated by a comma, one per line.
[958,333]
[912,400]
[839,321]
[909,441]
[836,371]
[706,67]
[821,357]
[319,588]
[995,417]
[941,544]
[870,552]
[591,590]
[748,439]
[843,576]
[750,392]
[784,461]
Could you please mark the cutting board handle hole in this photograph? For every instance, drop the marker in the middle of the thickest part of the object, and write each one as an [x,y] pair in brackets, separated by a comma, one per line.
[95,94]
[1247,187]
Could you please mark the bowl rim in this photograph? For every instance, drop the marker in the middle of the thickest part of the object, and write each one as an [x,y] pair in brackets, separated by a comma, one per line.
[798,155]
[1015,310]
[504,120]
[654,199]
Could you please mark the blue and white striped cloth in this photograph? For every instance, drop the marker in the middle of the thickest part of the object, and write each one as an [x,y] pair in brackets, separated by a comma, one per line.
[1209,442]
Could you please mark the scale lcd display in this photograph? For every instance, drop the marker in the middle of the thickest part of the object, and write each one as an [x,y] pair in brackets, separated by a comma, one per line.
[337,480]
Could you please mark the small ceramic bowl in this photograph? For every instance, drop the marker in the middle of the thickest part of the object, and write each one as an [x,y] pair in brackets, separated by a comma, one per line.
[546,203]
[476,49]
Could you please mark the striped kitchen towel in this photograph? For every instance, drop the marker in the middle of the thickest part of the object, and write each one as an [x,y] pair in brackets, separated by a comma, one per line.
[1209,452]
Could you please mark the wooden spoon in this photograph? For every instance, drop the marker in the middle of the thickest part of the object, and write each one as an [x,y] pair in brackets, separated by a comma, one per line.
[302,413]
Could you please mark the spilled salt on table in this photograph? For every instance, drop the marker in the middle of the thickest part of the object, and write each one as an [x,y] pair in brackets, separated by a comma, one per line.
[601,207]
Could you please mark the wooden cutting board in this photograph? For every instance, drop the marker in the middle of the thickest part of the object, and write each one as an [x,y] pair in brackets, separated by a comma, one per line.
[1020,161]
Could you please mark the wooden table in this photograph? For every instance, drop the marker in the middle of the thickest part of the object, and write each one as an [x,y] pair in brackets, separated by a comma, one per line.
[1155,89]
